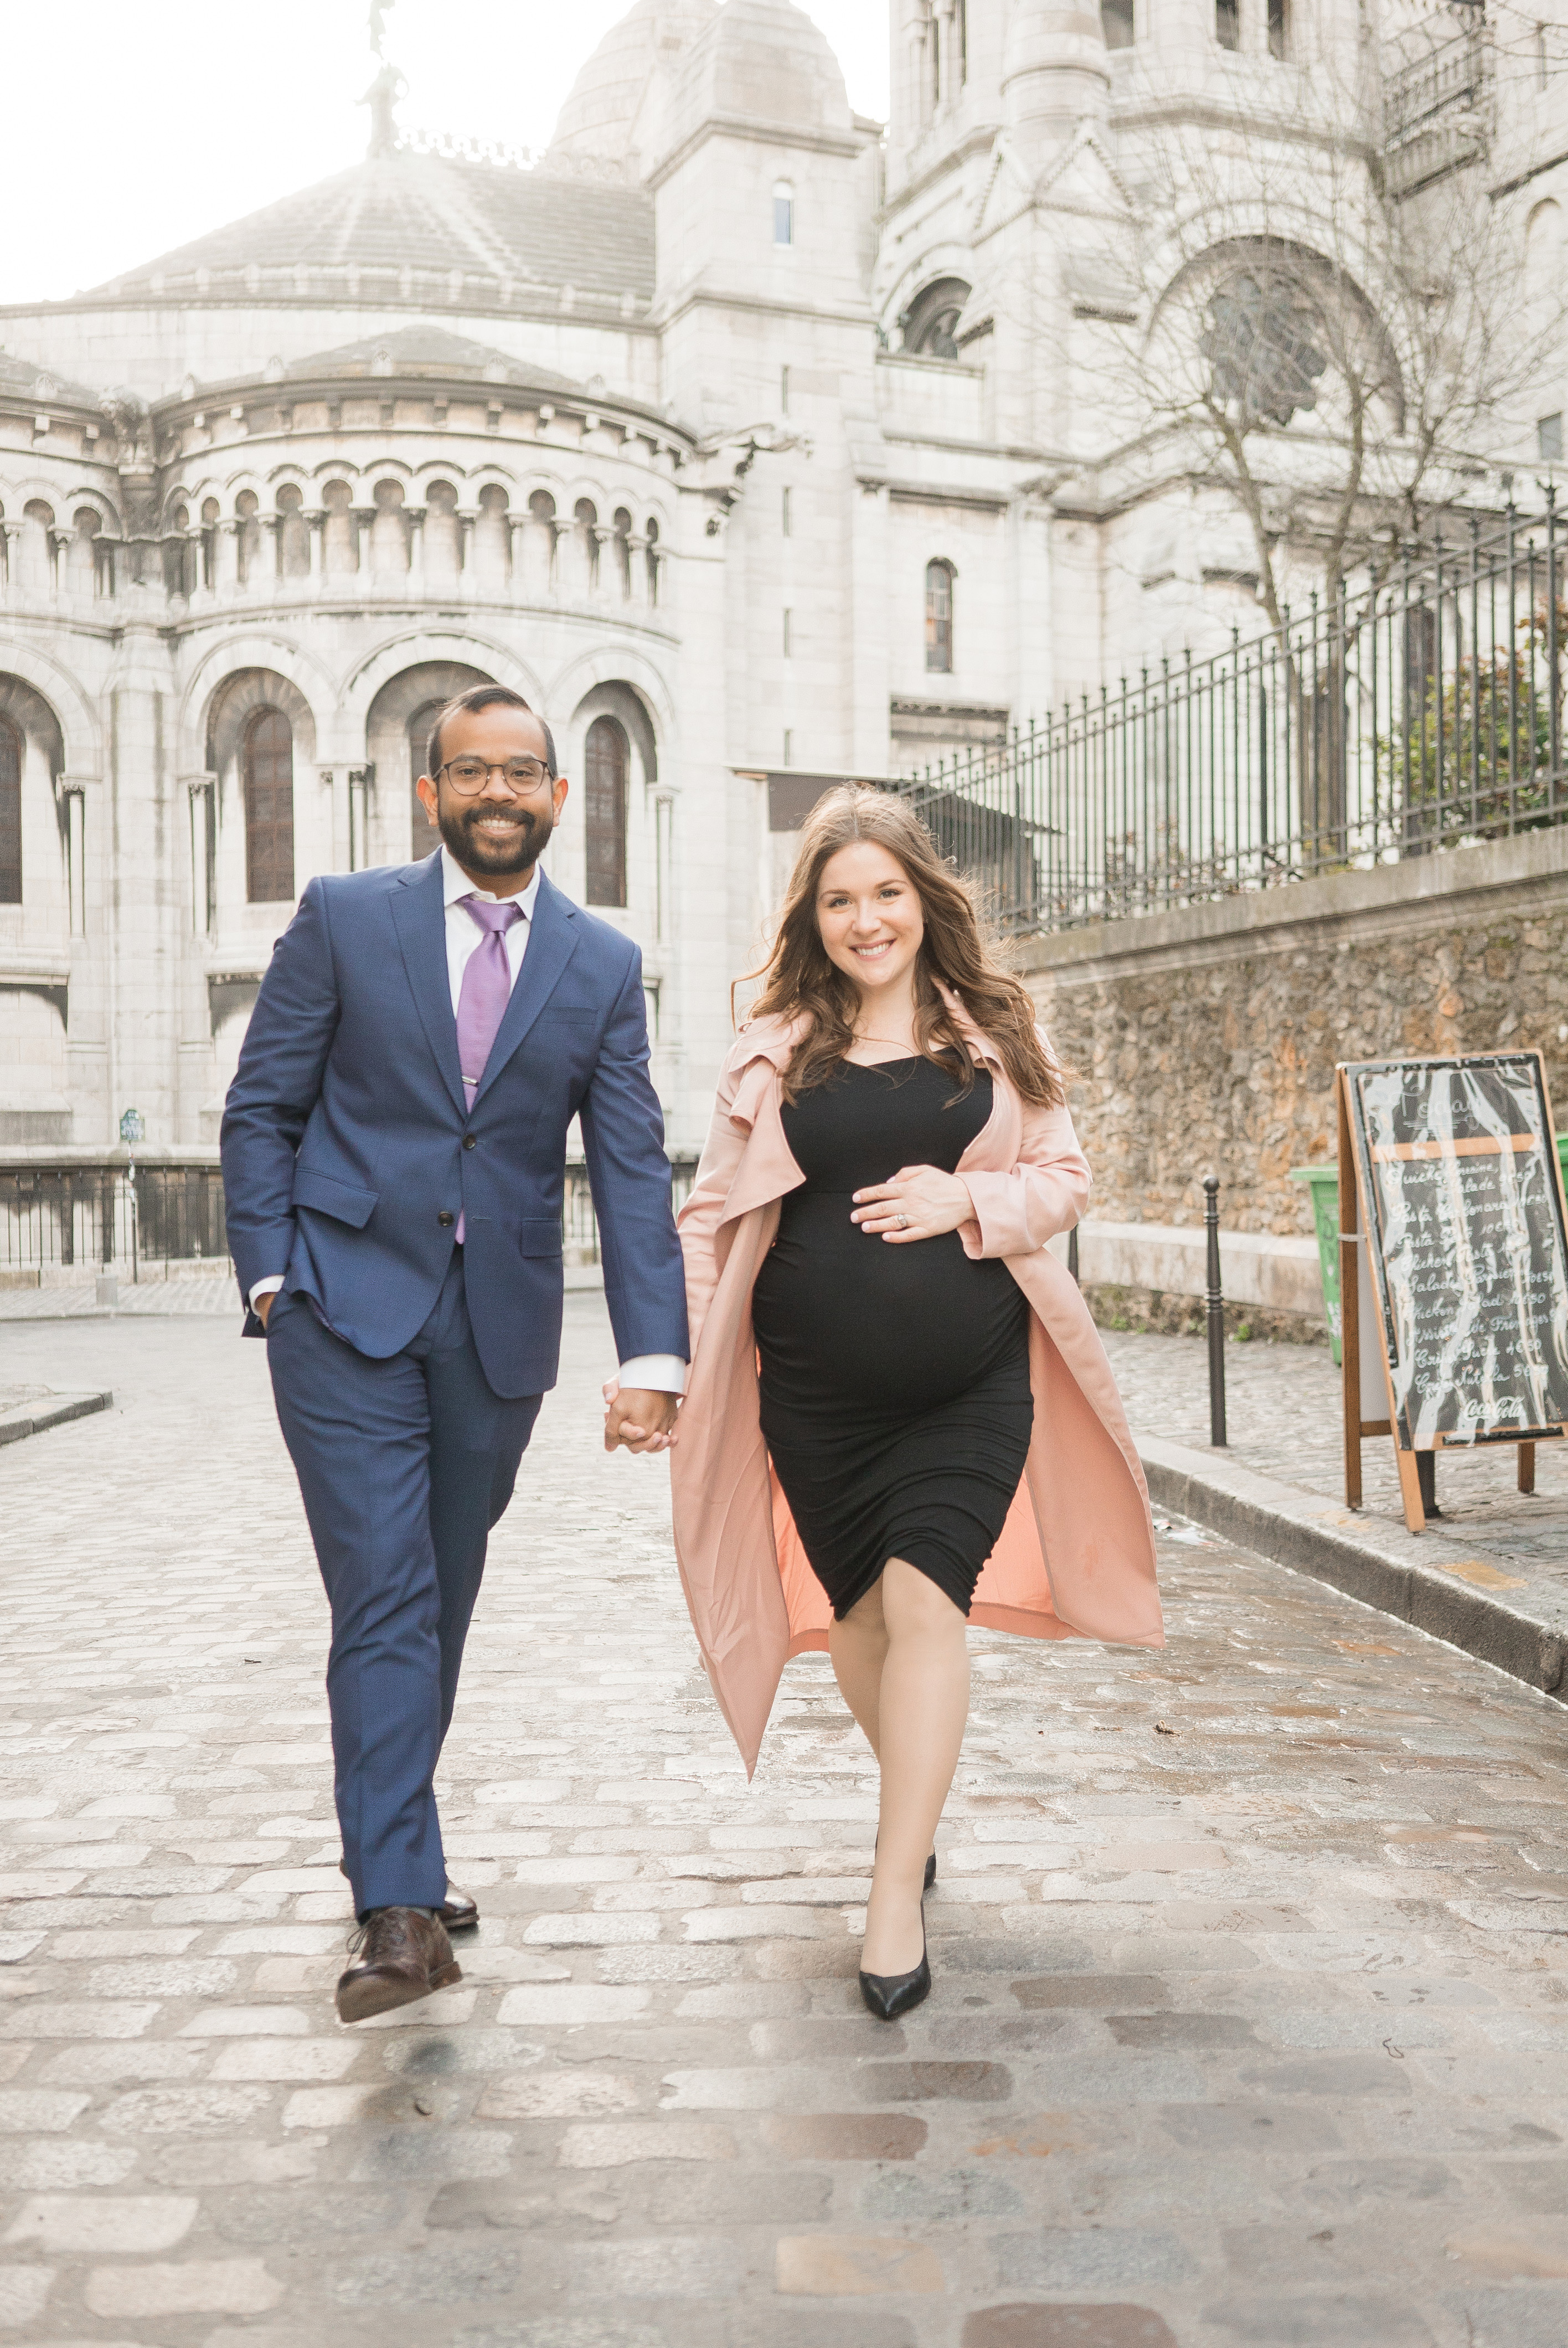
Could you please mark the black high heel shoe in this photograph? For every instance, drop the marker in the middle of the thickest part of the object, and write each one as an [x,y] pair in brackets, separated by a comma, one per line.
[888,1995]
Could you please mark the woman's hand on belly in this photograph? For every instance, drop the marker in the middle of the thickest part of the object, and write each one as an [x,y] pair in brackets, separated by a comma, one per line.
[918,1203]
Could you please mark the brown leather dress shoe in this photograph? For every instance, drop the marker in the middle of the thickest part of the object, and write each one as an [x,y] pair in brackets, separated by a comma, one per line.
[457,1911]
[399,1954]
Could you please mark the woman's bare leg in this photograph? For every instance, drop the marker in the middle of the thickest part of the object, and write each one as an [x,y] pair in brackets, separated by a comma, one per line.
[922,1705]
[858,1648]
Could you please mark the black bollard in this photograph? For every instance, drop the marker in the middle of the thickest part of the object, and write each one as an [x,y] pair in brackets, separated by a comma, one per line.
[1216,1312]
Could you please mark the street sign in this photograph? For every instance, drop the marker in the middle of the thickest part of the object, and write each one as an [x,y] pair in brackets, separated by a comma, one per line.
[1454,1245]
[131,1128]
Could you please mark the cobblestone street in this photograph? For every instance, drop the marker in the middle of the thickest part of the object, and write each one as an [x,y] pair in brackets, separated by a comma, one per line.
[1250,2011]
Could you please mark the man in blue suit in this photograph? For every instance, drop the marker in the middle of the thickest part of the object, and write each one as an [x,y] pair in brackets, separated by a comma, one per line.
[395,1157]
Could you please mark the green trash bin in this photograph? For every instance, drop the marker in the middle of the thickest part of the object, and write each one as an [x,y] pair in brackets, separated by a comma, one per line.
[1325,1184]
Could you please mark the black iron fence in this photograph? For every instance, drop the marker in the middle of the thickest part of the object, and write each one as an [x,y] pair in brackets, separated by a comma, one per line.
[106,1217]
[103,1217]
[1423,710]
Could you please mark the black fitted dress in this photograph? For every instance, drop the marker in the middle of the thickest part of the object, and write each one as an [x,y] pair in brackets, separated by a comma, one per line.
[895,1387]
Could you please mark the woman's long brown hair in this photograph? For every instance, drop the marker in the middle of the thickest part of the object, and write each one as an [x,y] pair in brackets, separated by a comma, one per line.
[799,980]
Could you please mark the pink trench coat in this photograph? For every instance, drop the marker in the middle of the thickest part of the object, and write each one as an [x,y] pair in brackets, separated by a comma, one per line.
[1076,1556]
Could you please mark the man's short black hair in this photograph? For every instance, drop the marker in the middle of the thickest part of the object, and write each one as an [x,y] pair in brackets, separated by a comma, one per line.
[483,696]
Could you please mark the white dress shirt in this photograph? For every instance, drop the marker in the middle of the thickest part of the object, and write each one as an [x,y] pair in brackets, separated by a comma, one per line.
[650,1373]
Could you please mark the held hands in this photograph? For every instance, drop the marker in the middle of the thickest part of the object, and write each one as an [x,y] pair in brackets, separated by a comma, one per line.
[639,1419]
[919,1202]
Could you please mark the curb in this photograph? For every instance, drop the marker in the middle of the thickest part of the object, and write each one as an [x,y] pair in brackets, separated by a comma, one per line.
[50,1410]
[1364,1558]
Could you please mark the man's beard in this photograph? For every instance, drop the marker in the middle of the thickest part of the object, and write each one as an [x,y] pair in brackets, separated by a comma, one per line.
[477,853]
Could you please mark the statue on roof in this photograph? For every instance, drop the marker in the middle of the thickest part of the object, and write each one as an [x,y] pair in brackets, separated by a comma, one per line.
[378,9]
[380,97]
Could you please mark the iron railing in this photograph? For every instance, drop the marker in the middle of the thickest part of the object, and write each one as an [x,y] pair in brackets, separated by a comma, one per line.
[108,1216]
[104,1216]
[1423,710]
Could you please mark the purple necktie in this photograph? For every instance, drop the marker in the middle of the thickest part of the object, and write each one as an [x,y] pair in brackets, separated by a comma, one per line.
[483,994]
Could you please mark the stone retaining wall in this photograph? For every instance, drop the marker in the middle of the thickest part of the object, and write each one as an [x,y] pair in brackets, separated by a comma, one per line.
[1203,1040]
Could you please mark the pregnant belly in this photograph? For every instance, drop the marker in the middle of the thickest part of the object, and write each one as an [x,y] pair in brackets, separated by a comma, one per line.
[843,1322]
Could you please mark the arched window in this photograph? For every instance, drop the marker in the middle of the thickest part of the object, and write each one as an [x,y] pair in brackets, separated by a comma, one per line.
[1227,23]
[784,213]
[931,321]
[269,770]
[585,515]
[248,537]
[605,763]
[293,533]
[10,814]
[940,616]
[1116,23]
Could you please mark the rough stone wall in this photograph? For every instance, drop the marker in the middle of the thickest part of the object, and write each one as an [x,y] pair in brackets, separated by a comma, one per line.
[1215,1054]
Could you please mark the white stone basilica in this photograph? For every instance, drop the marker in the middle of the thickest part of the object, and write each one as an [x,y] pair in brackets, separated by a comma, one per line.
[747,441]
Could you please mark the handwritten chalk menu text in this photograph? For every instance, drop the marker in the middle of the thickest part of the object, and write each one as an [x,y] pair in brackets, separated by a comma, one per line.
[1468,1256]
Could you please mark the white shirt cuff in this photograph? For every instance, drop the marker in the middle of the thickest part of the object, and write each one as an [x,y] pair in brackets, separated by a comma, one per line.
[266,1288]
[654,1373]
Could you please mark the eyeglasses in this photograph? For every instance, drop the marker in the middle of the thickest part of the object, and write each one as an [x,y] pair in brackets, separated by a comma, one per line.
[468,777]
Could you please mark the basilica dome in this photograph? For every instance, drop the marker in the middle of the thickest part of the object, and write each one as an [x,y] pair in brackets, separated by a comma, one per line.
[613,118]
[425,229]
[763,61]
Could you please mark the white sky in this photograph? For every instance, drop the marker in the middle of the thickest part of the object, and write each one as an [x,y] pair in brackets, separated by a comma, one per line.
[131,130]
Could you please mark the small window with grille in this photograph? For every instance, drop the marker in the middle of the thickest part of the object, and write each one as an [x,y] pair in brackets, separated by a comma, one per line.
[269,770]
[605,763]
[940,616]
[10,814]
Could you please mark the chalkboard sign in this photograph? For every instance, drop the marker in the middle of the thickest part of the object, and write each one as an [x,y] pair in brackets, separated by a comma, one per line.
[1458,1197]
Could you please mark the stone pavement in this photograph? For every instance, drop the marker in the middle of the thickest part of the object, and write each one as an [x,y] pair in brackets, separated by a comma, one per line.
[1250,2012]
[1505,1550]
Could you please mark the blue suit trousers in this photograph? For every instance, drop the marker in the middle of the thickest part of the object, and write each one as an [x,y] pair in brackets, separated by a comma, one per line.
[405,1465]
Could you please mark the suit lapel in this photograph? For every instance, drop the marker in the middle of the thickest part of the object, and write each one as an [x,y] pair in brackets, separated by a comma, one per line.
[419,916]
[552,942]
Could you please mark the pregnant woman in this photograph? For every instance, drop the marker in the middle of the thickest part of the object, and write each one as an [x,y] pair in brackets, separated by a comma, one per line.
[900,1417]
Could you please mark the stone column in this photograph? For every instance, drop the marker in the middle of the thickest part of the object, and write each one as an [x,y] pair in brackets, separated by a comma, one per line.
[637,560]
[663,864]
[361,783]
[201,790]
[517,543]
[465,525]
[604,538]
[415,517]
[316,522]
[227,566]
[70,793]
[59,570]
[363,520]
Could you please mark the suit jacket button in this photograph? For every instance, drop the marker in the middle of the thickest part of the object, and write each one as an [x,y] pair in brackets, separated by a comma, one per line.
[468,1142]
[445,1219]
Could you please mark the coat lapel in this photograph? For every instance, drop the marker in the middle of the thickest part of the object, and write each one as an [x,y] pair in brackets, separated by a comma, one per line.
[419,916]
[552,942]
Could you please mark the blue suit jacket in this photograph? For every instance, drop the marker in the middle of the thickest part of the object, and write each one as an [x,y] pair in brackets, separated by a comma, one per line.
[349,1152]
